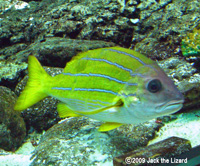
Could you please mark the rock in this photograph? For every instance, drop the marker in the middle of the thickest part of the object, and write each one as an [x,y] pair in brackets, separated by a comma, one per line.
[11,50]
[76,141]
[56,51]
[162,25]
[10,71]
[12,5]
[161,152]
[192,156]
[127,23]
[12,126]
[70,19]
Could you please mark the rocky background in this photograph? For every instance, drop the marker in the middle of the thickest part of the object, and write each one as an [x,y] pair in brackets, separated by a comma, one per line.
[55,31]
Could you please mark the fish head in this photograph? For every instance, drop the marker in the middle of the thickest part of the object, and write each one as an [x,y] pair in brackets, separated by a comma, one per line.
[154,95]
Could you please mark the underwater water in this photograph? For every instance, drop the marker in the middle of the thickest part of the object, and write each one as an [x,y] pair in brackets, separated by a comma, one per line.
[59,117]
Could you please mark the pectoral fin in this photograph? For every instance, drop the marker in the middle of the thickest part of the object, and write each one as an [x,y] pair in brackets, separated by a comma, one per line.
[65,111]
[109,126]
[119,103]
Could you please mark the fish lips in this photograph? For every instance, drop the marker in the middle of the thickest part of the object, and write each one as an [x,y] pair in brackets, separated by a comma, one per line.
[169,107]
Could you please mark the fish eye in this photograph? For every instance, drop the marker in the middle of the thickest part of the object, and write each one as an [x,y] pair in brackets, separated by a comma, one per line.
[154,86]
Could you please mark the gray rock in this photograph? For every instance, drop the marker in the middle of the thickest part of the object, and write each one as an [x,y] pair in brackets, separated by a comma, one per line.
[56,51]
[164,21]
[10,71]
[12,126]
[167,149]
[76,141]
[162,24]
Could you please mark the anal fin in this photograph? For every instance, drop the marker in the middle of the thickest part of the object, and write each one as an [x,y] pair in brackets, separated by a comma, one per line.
[109,126]
[65,111]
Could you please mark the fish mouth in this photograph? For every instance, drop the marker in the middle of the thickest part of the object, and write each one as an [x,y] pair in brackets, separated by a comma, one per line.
[170,107]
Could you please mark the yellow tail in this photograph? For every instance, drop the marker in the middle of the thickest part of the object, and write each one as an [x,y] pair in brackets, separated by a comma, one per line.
[34,90]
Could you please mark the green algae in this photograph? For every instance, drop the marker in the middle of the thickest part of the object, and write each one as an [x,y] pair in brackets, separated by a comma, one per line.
[190,45]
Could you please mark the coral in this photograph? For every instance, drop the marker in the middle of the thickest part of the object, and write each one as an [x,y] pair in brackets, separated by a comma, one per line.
[191,43]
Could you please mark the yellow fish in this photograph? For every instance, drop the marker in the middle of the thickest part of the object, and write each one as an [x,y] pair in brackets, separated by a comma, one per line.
[115,85]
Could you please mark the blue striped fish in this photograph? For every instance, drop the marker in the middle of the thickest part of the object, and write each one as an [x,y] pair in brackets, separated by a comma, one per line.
[114,85]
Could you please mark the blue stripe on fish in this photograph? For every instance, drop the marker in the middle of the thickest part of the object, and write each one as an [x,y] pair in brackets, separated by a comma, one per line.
[132,56]
[93,101]
[100,75]
[60,88]
[87,89]
[131,94]
[95,90]
[109,62]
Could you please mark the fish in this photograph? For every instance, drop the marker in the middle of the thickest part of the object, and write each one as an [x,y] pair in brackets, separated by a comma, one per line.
[113,84]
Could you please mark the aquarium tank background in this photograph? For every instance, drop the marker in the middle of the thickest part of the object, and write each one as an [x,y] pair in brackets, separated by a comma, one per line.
[127,65]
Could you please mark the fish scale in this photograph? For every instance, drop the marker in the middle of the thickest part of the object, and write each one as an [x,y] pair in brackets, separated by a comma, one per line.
[111,67]
[101,87]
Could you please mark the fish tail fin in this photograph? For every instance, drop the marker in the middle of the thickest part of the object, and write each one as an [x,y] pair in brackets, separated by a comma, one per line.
[35,89]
